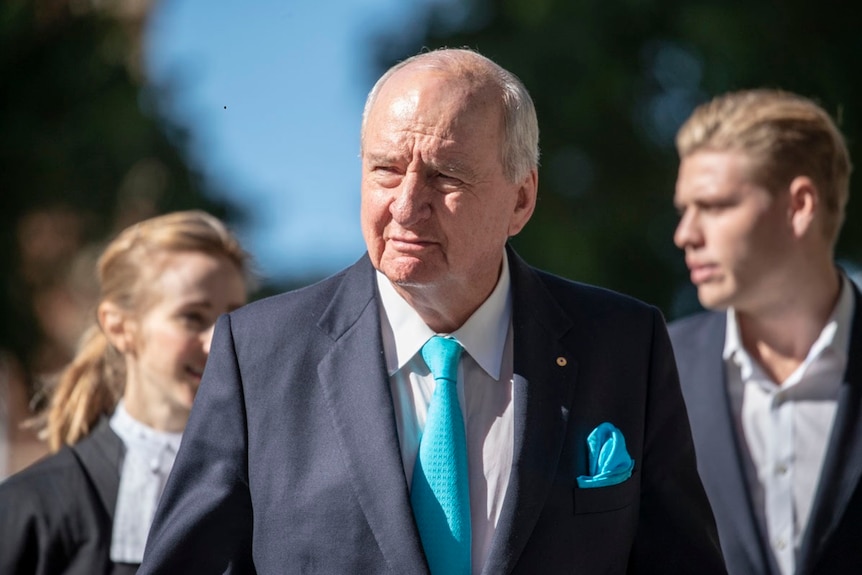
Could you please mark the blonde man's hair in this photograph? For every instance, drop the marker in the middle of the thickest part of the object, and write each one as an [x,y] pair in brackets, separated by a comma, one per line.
[92,384]
[784,135]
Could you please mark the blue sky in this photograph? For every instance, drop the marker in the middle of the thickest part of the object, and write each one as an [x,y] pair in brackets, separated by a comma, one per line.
[272,93]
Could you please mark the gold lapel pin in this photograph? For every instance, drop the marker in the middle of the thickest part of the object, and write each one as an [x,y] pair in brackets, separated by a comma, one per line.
[561,361]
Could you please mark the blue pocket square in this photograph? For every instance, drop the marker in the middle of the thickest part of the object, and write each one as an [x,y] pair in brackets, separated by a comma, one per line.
[610,463]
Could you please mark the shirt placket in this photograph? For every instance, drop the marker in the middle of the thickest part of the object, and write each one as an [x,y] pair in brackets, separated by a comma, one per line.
[779,487]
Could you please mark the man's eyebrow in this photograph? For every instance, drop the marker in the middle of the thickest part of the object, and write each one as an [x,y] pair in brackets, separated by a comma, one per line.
[454,166]
[381,157]
[449,165]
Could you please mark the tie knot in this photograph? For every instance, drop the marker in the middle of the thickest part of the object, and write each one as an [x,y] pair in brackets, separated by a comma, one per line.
[441,355]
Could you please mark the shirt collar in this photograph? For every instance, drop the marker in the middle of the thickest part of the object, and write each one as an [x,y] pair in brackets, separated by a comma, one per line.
[835,336]
[483,335]
[733,349]
[136,435]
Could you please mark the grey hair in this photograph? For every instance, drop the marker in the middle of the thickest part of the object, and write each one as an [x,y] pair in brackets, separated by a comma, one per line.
[520,153]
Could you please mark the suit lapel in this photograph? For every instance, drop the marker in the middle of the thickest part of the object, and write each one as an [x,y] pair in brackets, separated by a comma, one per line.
[101,454]
[842,466]
[353,374]
[542,395]
[721,460]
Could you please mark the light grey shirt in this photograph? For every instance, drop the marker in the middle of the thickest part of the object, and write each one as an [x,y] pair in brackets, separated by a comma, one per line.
[148,459]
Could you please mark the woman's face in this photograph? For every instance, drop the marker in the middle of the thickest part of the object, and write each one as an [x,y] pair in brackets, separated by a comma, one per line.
[169,341]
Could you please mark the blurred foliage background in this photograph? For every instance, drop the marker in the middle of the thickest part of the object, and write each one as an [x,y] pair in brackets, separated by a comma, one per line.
[612,82]
[83,154]
[85,151]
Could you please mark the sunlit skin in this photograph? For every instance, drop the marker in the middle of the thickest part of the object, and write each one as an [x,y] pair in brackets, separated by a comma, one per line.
[436,207]
[735,234]
[760,252]
[166,345]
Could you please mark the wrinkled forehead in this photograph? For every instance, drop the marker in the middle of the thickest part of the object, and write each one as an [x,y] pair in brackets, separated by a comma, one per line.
[435,103]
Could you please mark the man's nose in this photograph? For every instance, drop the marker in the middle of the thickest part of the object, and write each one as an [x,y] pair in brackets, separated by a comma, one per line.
[413,200]
[687,230]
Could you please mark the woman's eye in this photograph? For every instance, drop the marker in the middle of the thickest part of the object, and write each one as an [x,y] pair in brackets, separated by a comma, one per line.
[194,319]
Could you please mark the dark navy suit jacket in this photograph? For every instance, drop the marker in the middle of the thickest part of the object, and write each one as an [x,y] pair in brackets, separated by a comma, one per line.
[832,543]
[291,464]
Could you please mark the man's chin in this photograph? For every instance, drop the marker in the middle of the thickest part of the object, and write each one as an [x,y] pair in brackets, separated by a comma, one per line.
[711,300]
[409,275]
[408,282]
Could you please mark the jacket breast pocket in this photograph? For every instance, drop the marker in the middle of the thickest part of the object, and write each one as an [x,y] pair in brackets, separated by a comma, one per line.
[603,499]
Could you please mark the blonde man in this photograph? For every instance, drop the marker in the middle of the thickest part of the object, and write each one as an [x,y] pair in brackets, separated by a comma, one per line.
[772,374]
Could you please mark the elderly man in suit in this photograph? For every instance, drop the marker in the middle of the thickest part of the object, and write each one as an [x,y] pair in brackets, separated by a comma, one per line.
[772,375]
[319,442]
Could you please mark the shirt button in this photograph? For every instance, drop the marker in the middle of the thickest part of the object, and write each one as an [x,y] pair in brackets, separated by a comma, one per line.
[780,544]
[780,469]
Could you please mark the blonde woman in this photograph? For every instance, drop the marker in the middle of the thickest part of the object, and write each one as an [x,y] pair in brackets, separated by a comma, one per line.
[119,409]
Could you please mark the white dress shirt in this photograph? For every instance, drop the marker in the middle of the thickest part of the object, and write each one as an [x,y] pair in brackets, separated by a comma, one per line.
[786,426]
[484,390]
[148,459]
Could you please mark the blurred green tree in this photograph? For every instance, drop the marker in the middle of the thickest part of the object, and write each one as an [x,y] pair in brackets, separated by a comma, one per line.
[612,82]
[83,153]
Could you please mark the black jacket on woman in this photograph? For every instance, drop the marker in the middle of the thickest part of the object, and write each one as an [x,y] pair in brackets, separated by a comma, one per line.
[56,516]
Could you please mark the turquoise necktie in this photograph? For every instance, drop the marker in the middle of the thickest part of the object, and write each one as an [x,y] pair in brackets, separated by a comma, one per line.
[440,493]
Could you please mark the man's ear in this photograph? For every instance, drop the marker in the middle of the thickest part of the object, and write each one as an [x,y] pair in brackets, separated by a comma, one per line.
[804,202]
[526,202]
[116,326]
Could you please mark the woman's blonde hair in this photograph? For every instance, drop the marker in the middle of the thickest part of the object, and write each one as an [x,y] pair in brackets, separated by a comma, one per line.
[92,384]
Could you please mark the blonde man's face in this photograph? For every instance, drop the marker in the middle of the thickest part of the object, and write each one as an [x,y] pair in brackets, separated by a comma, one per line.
[736,234]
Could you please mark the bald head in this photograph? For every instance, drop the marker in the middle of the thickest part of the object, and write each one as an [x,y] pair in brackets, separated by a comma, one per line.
[480,77]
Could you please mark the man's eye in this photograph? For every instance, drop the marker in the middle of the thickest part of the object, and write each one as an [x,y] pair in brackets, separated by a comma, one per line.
[386,176]
[447,180]
[386,169]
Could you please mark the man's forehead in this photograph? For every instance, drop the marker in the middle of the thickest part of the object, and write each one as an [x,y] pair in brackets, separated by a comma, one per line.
[464,85]
[719,164]
[705,175]
[445,116]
